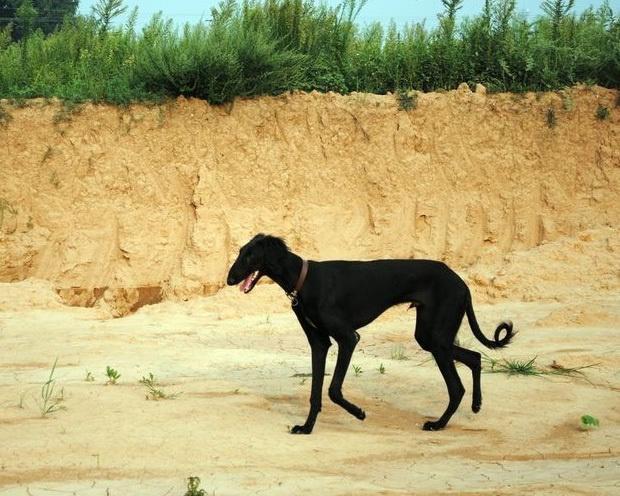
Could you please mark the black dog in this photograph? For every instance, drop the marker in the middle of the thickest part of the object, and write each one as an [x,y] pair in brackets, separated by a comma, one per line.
[333,299]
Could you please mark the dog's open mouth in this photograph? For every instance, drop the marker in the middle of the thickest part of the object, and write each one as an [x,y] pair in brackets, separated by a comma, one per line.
[249,282]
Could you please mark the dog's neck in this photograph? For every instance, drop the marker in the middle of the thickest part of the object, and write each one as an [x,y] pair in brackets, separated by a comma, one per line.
[286,273]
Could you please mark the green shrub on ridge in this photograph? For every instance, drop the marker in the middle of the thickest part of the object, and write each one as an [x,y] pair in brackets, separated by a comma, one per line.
[266,47]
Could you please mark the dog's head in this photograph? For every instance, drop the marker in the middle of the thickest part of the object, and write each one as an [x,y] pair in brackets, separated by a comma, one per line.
[260,256]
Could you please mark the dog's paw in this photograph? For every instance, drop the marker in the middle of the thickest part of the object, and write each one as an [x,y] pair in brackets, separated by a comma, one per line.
[301,429]
[361,414]
[432,426]
[475,406]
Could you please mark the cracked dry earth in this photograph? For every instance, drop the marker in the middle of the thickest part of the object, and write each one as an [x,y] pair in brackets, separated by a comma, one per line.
[238,368]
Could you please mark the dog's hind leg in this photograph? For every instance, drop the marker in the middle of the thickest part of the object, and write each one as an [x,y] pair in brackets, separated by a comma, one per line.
[472,360]
[445,361]
[346,345]
[446,321]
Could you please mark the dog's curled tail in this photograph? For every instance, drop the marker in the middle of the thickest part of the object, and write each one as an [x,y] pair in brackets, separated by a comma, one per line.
[497,341]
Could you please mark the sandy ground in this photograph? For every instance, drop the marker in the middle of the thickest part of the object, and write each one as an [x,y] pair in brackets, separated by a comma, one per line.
[118,207]
[237,362]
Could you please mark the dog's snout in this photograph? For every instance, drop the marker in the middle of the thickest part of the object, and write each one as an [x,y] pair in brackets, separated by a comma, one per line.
[230,281]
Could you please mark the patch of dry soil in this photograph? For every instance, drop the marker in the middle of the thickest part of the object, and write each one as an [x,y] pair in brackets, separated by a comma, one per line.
[237,364]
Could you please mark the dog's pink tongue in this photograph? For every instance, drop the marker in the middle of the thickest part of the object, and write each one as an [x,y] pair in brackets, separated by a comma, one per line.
[245,284]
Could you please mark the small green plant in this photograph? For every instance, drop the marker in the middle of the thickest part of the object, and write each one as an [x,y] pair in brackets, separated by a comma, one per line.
[520,367]
[551,118]
[511,367]
[153,391]
[161,117]
[588,422]
[48,402]
[5,206]
[112,375]
[193,487]
[357,369]
[407,100]
[65,113]
[5,117]
[398,352]
[529,367]
[54,180]
[381,369]
[568,103]
[19,102]
[89,376]
[602,113]
[47,155]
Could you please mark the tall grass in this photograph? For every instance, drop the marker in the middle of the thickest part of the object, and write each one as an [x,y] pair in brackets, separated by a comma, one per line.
[264,47]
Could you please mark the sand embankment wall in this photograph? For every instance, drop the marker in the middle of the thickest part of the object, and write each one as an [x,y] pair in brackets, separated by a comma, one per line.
[149,197]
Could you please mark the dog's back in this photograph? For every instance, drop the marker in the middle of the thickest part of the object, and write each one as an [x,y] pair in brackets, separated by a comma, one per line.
[366,289]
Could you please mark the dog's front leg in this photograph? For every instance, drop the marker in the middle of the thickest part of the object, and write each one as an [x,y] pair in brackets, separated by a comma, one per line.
[319,345]
[346,344]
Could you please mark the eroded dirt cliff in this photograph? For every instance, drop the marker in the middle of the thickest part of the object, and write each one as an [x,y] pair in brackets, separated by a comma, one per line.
[131,205]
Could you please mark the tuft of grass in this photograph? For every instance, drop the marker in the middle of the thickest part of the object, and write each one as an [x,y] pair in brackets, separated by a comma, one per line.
[407,100]
[5,117]
[398,353]
[19,102]
[54,180]
[47,155]
[66,112]
[602,113]
[510,367]
[568,103]
[153,390]
[5,206]
[193,487]
[381,369]
[112,375]
[551,118]
[529,367]
[357,370]
[49,403]
[89,376]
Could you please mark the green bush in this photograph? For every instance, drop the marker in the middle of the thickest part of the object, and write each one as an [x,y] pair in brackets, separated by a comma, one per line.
[265,47]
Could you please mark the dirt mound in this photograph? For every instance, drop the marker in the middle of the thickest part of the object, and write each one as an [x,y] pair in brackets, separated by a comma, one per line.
[569,268]
[162,196]
[581,315]
[27,295]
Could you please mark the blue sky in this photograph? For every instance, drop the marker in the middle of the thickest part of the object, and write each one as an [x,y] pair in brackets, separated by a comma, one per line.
[401,11]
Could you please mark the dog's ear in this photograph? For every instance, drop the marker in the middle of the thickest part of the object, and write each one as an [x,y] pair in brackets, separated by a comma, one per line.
[272,248]
[275,246]
[259,237]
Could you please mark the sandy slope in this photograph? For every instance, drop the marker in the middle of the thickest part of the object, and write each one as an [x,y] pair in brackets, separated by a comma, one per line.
[233,358]
[143,200]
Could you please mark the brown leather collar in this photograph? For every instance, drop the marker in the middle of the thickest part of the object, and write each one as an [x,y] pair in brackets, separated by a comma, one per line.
[302,276]
[299,284]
